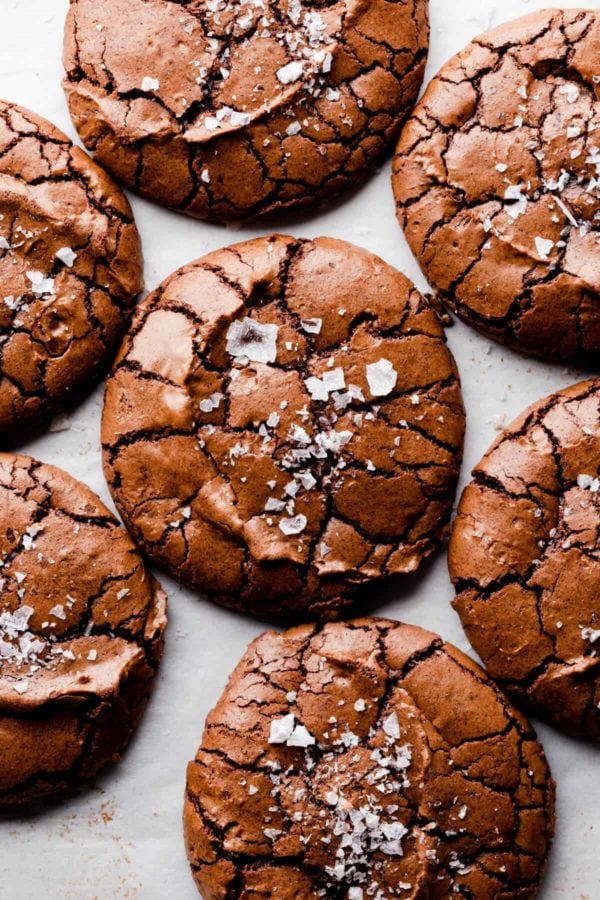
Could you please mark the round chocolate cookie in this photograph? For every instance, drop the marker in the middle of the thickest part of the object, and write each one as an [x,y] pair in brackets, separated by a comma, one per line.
[81,631]
[70,269]
[497,188]
[284,423]
[362,760]
[525,559]
[234,108]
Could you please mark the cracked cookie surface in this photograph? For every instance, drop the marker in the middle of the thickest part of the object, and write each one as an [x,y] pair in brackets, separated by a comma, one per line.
[366,759]
[525,558]
[234,108]
[70,269]
[497,189]
[81,632]
[284,422]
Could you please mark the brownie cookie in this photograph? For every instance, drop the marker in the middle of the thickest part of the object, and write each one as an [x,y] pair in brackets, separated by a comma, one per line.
[81,631]
[496,179]
[70,268]
[525,559]
[284,422]
[232,108]
[366,760]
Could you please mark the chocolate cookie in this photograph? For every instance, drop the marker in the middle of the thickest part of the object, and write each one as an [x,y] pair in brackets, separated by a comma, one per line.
[366,759]
[81,629]
[497,188]
[284,423]
[525,558]
[234,108]
[70,268]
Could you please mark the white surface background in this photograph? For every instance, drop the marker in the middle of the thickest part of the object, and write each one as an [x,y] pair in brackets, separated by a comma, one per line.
[123,838]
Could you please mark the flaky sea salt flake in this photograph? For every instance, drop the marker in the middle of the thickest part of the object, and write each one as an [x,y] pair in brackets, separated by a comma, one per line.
[211,403]
[66,255]
[253,340]
[281,729]
[381,378]
[570,91]
[543,246]
[290,73]
[150,84]
[58,611]
[39,284]
[316,388]
[588,483]
[334,380]
[391,726]
[300,737]
[515,192]
[293,525]
[590,634]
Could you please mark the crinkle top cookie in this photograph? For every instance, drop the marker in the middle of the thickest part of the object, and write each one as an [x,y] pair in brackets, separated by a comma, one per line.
[70,269]
[81,631]
[497,184]
[525,558]
[230,108]
[362,760]
[284,423]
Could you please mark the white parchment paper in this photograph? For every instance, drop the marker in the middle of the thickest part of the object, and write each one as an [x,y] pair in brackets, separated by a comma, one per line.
[123,838]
